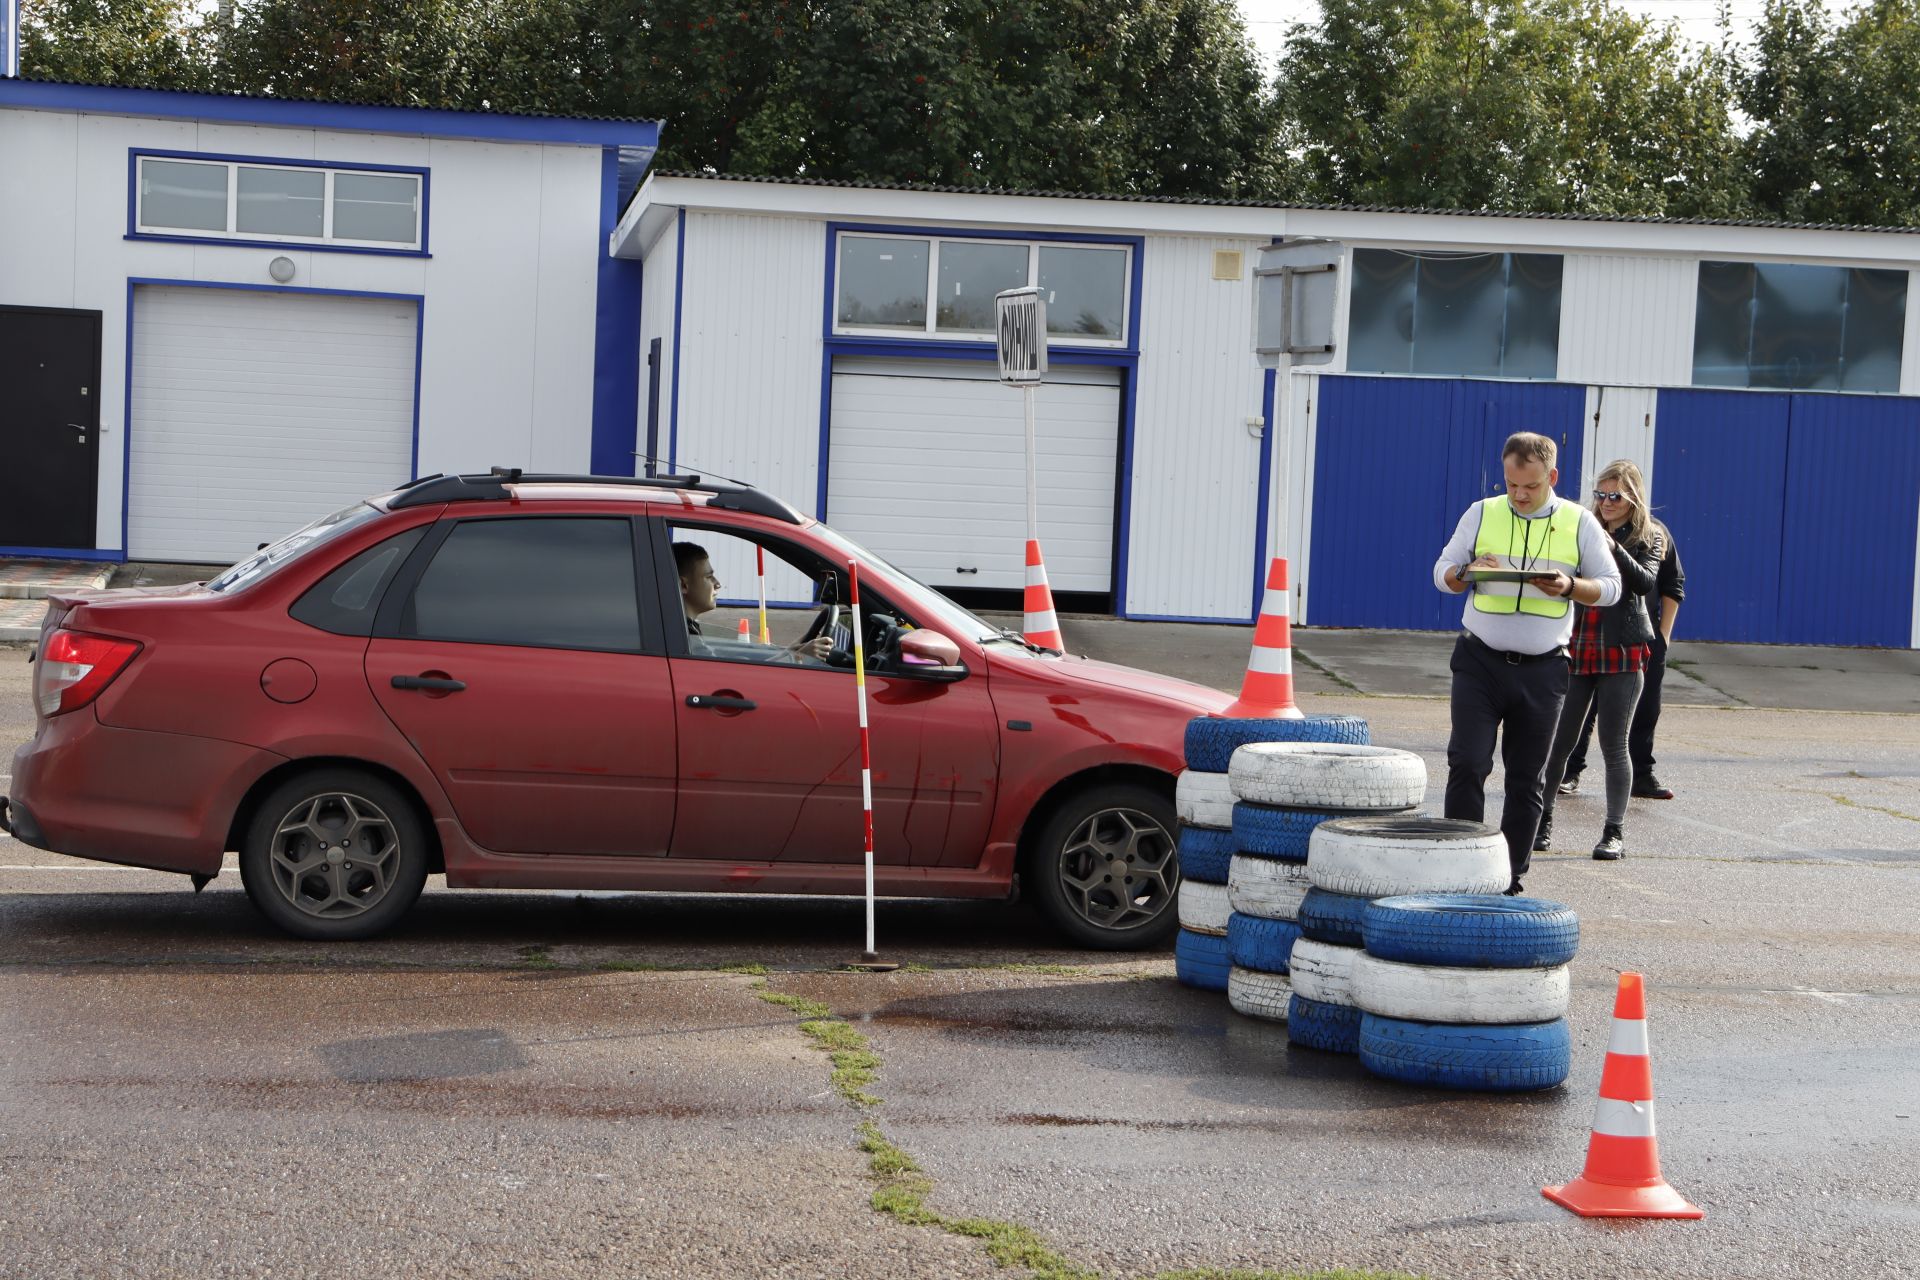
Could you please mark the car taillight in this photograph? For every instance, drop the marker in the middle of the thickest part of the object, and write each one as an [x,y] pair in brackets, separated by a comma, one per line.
[74,666]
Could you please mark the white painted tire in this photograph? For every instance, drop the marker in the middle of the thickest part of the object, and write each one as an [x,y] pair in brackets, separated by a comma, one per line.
[1266,887]
[1322,971]
[1202,799]
[1391,857]
[1259,995]
[1204,908]
[1435,993]
[1327,775]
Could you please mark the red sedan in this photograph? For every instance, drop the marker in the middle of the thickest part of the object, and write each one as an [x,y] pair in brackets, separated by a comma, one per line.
[507,679]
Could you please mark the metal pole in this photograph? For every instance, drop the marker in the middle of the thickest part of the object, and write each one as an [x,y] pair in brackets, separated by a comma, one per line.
[760,566]
[866,755]
[1033,506]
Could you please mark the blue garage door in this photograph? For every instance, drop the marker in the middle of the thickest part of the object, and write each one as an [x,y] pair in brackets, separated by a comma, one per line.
[1394,455]
[1795,514]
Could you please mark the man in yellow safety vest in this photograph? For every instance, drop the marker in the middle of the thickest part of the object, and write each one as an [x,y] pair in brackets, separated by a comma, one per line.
[1526,559]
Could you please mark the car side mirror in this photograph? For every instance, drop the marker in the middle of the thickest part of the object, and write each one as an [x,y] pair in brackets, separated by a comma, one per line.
[829,588]
[928,655]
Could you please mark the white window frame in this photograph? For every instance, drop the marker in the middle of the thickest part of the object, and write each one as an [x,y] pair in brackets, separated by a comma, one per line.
[930,330]
[326,236]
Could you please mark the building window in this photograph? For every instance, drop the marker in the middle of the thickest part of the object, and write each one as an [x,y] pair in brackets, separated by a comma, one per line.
[1793,325]
[943,287]
[1478,315]
[279,202]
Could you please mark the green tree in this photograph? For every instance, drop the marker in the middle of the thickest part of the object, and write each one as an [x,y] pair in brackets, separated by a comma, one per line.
[1544,106]
[158,44]
[1836,112]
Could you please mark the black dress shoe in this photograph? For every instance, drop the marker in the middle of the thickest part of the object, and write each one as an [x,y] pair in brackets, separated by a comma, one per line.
[1570,784]
[1515,889]
[1611,844]
[1543,838]
[1649,788]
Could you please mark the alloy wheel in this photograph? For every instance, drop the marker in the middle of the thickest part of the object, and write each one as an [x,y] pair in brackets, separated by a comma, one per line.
[1118,869]
[334,855]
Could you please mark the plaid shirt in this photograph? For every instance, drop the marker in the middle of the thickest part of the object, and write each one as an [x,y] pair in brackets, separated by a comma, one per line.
[1592,658]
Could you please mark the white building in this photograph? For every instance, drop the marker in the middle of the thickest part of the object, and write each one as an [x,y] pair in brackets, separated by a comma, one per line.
[830,342]
[221,317]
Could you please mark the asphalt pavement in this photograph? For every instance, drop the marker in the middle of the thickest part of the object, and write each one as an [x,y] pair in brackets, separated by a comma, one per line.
[571,1085]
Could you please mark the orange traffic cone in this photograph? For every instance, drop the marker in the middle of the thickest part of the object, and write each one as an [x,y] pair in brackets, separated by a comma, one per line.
[746,632]
[1622,1178]
[1267,692]
[1041,625]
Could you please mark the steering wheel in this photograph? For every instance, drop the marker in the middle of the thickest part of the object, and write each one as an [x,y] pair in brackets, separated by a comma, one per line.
[819,624]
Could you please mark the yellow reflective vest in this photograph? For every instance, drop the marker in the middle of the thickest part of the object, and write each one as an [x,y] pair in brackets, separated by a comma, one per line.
[1543,544]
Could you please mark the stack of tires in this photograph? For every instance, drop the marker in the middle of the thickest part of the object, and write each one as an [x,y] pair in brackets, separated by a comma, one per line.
[1283,793]
[1465,991]
[1352,862]
[1210,839]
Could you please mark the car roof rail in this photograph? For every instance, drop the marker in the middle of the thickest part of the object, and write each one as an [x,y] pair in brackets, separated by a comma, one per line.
[493,487]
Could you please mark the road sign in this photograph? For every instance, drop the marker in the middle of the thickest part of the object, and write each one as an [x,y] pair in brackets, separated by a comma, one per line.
[1296,286]
[1020,336]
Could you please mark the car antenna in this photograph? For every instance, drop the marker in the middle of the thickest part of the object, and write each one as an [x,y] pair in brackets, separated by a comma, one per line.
[662,462]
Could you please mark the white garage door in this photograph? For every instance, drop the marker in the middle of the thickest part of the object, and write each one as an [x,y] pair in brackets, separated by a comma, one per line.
[927,467]
[256,412]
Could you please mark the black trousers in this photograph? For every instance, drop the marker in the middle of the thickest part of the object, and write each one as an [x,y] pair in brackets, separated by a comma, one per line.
[1646,719]
[1520,702]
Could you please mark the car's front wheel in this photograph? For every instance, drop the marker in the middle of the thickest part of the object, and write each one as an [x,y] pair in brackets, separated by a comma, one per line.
[1104,868]
[335,855]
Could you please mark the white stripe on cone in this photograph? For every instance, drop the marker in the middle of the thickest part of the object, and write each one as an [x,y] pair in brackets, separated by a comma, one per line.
[1039,622]
[1275,604]
[1272,662]
[1619,1119]
[1629,1037]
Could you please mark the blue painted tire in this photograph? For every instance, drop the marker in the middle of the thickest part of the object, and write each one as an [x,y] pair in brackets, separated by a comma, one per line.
[1332,917]
[1200,960]
[1255,942]
[1510,1058]
[1471,931]
[1206,853]
[1332,1027]
[1275,831]
[1211,739]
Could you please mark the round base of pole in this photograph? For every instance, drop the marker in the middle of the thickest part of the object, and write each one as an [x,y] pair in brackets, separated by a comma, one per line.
[870,962]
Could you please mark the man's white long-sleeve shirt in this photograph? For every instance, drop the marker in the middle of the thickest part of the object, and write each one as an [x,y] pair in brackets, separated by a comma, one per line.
[1529,632]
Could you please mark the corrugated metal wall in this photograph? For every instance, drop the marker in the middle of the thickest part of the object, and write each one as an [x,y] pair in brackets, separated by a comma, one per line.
[1196,464]
[1396,461]
[1627,320]
[656,321]
[750,351]
[1794,514]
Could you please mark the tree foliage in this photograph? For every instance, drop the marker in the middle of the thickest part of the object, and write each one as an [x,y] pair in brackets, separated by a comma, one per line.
[1836,110]
[1542,105]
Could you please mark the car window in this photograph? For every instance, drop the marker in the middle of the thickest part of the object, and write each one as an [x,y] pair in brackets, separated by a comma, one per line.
[722,576]
[345,601]
[269,560]
[541,581]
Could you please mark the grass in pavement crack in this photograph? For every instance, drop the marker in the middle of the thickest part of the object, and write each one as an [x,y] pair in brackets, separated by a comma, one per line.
[854,1063]
[1331,674]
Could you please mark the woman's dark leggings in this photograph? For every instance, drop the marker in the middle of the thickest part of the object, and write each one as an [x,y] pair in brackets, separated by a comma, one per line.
[1616,697]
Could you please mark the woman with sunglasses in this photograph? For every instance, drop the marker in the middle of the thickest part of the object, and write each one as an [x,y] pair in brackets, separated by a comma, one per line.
[1609,653]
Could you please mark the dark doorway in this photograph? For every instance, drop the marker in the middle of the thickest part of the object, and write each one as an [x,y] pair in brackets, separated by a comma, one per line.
[49,427]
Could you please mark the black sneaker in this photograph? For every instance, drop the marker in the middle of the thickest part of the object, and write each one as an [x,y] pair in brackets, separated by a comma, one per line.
[1611,844]
[1570,784]
[1543,838]
[1649,788]
[1515,889]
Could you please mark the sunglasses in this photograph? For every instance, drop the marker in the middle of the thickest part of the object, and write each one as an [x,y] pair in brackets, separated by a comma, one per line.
[1607,495]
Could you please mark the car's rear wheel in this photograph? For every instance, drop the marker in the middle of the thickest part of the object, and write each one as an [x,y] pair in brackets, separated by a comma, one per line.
[1104,867]
[334,854]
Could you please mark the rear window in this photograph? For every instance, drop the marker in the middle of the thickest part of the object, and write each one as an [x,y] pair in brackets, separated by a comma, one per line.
[537,581]
[346,600]
[267,561]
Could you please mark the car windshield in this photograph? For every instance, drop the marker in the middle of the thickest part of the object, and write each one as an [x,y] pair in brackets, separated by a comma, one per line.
[268,560]
[976,629]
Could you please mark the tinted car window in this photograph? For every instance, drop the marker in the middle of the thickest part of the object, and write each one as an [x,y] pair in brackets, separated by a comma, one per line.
[345,600]
[548,582]
[268,561]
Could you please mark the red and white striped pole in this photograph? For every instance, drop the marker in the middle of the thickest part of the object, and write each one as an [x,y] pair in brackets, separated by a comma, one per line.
[866,754]
[760,568]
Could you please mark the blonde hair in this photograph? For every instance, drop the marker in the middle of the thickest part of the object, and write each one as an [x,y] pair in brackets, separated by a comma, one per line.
[1626,473]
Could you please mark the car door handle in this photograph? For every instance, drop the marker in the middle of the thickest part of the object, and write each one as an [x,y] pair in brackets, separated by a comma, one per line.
[441,684]
[720,702]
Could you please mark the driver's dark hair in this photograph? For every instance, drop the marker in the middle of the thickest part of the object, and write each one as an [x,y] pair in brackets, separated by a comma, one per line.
[686,555]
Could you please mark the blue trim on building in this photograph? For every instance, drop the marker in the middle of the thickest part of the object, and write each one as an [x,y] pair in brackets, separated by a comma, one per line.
[1126,359]
[348,117]
[1268,383]
[126,406]
[64,553]
[679,299]
[616,340]
[135,154]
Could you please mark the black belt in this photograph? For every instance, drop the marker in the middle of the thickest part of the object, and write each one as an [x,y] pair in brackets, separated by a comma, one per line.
[1515,659]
